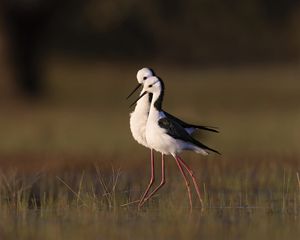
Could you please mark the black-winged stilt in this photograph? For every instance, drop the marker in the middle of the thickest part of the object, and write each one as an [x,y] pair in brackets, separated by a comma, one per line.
[165,133]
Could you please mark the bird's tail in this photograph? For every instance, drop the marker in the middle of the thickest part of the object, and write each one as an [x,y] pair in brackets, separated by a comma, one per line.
[203,147]
[201,151]
[207,128]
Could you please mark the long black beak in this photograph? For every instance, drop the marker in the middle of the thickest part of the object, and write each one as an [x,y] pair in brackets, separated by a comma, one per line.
[142,95]
[134,90]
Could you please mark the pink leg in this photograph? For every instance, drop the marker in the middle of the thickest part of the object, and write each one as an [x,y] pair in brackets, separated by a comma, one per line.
[193,178]
[151,179]
[162,182]
[186,181]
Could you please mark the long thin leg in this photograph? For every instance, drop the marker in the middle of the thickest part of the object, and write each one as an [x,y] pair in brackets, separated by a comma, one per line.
[190,171]
[151,179]
[162,182]
[186,181]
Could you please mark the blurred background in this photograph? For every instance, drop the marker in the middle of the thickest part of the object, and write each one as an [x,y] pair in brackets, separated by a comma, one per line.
[67,66]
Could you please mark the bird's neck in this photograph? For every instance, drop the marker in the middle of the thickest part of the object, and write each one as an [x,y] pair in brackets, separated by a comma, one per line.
[157,100]
[143,104]
[156,105]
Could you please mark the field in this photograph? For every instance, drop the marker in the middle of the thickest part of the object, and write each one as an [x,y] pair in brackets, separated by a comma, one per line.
[69,163]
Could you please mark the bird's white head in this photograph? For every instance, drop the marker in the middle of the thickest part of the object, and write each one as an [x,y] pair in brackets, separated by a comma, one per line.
[153,85]
[143,74]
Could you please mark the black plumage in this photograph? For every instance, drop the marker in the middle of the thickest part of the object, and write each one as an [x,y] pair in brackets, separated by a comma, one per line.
[175,130]
[187,125]
[158,106]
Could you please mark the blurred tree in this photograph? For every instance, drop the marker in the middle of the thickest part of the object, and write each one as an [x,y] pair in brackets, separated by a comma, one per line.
[27,22]
[207,31]
[278,11]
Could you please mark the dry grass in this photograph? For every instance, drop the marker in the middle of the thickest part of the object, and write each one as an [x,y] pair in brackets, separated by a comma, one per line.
[255,201]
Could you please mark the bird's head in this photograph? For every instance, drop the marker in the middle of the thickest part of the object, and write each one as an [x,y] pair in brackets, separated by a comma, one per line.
[152,85]
[142,75]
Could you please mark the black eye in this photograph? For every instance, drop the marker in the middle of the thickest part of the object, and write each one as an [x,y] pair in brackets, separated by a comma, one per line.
[144,78]
[150,85]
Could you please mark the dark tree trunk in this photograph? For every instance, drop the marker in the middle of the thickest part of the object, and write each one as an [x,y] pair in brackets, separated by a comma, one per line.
[27,22]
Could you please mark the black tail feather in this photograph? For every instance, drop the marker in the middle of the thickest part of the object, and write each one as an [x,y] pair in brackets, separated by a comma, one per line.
[215,151]
[211,129]
[201,145]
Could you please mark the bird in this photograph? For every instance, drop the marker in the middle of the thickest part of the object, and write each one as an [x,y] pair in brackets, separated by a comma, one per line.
[138,120]
[166,134]
[143,107]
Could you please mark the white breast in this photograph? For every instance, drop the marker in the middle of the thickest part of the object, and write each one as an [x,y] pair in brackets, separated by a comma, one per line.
[156,136]
[138,121]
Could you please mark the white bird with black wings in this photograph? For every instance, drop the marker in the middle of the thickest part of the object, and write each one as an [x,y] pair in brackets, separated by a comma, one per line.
[165,134]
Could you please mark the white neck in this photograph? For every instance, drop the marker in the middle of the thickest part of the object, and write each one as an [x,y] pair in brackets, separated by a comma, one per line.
[143,105]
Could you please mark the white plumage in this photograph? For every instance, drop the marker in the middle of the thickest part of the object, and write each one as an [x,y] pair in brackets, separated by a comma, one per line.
[138,118]
[157,137]
[156,129]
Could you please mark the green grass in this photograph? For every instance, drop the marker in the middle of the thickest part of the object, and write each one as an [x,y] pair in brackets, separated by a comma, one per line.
[68,163]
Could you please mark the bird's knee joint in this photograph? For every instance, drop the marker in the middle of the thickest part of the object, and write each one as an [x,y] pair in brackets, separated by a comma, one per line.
[152,180]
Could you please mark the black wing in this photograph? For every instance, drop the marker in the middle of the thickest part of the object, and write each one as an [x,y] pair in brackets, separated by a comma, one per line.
[176,131]
[187,125]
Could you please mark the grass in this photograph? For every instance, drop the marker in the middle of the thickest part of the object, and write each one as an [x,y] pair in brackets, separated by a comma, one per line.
[68,163]
[87,204]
